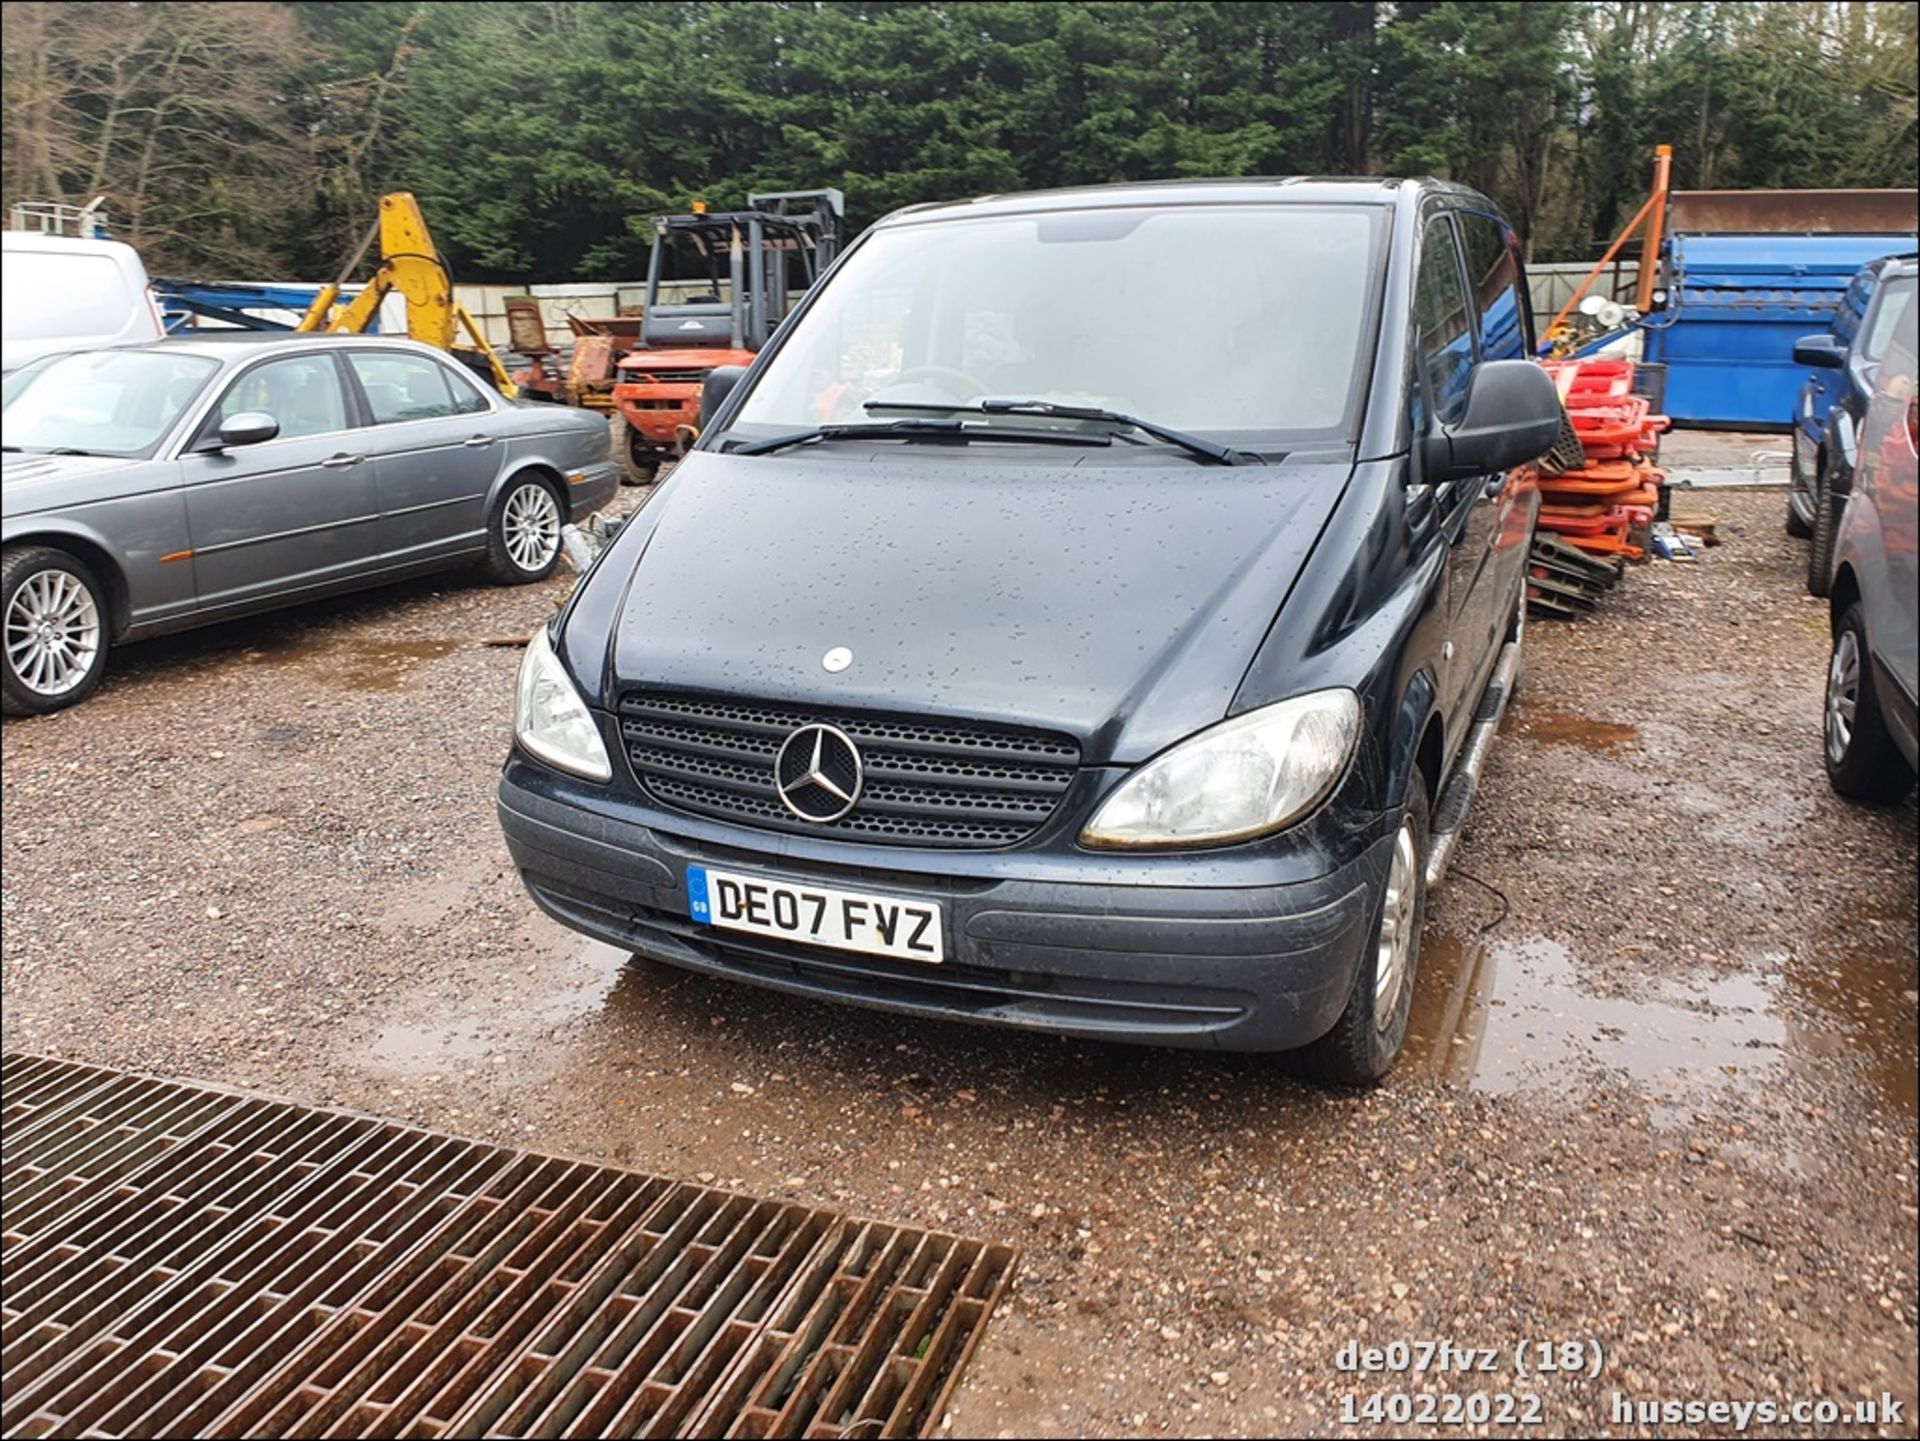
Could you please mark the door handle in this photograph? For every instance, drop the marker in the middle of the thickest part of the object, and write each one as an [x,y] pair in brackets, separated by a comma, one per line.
[478,441]
[342,462]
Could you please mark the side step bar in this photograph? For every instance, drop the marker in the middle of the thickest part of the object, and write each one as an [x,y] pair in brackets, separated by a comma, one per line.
[1450,814]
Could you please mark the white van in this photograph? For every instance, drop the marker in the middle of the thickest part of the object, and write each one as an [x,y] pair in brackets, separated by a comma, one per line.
[59,294]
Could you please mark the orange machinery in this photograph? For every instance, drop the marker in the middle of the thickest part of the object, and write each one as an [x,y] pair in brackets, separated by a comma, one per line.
[717,286]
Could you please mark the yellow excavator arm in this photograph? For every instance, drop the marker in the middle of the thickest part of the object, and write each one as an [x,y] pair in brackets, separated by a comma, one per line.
[410,265]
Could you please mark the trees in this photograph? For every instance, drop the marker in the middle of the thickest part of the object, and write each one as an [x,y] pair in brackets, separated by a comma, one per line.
[177,113]
[542,136]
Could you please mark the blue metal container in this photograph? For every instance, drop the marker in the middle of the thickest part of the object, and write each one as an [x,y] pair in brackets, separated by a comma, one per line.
[1747,273]
[1735,305]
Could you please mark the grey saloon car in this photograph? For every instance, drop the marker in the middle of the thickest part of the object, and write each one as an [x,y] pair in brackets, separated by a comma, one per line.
[151,488]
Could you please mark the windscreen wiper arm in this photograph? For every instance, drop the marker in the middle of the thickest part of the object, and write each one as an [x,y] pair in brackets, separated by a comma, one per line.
[914,430]
[1193,444]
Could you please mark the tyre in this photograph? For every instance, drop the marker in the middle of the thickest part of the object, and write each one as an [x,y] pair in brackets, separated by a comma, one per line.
[523,538]
[1366,1040]
[640,462]
[1796,527]
[55,611]
[1826,529]
[1863,763]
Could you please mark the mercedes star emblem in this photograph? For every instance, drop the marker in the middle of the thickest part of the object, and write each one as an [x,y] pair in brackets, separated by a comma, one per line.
[818,773]
[836,660]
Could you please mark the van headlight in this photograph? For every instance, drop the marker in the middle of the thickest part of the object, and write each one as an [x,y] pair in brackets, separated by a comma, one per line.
[1236,780]
[550,720]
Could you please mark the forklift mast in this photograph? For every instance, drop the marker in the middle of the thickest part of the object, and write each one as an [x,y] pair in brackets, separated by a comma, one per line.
[781,238]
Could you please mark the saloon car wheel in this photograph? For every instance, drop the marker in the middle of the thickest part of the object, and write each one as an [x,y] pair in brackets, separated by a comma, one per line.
[1366,1040]
[55,613]
[1863,763]
[523,540]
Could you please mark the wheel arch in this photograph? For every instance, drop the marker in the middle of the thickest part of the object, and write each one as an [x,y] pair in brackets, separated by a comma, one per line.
[98,557]
[1844,592]
[1419,740]
[546,470]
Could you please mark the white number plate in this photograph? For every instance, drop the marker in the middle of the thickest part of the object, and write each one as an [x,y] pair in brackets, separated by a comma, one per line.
[815,915]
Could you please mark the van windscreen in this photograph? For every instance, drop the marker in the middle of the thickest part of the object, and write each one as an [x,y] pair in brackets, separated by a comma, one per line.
[1243,321]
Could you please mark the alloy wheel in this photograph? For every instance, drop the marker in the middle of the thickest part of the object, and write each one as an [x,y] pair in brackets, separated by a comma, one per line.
[1395,945]
[52,632]
[530,525]
[1843,695]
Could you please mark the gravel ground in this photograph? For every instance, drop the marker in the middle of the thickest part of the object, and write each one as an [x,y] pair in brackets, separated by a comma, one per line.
[1661,1095]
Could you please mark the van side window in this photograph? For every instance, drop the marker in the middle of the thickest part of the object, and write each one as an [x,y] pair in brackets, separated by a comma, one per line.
[1493,272]
[1441,316]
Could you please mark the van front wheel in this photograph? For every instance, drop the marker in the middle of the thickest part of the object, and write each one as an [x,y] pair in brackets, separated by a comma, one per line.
[1366,1040]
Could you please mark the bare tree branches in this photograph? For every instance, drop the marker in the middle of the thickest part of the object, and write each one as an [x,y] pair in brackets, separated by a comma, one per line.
[170,111]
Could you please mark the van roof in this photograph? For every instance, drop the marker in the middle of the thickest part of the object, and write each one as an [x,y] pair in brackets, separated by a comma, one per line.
[1277,189]
[31,241]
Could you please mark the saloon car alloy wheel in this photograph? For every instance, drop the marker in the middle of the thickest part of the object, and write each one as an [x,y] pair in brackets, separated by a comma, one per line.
[525,544]
[55,637]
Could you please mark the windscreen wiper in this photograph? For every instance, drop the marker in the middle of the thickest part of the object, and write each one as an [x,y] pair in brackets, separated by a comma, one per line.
[1193,444]
[915,430]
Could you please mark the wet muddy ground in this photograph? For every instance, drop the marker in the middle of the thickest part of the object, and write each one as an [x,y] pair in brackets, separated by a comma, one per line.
[1660,1094]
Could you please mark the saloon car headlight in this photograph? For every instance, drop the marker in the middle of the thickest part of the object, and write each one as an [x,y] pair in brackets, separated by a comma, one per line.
[1236,780]
[549,718]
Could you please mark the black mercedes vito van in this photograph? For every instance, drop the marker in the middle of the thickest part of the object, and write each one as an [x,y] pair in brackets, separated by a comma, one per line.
[1089,613]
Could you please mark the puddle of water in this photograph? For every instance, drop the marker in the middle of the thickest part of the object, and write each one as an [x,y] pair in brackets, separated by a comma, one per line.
[419,1050]
[1552,727]
[459,1042]
[352,661]
[604,966]
[1867,989]
[1505,1016]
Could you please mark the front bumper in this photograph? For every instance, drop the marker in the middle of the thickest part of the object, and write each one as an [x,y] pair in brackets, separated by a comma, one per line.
[1233,967]
[657,411]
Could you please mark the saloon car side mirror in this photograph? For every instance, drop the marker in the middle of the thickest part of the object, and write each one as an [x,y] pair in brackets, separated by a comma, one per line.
[1512,416]
[249,427]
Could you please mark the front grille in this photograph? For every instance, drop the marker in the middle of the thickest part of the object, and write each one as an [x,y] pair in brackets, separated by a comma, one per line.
[928,782]
[638,376]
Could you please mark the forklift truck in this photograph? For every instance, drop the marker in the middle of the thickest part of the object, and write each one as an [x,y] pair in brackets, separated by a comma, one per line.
[733,277]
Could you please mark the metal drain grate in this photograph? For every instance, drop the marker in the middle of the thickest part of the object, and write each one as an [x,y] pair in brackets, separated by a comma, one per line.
[182,1260]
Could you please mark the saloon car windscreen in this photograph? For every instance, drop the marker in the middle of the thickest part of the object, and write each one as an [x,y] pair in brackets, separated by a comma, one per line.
[103,402]
[1241,321]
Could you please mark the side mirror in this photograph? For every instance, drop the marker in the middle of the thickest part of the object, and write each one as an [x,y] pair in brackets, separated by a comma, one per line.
[249,427]
[1512,417]
[716,388]
[1822,352]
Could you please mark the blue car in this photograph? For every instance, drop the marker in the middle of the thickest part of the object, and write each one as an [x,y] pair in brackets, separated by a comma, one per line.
[1827,418]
